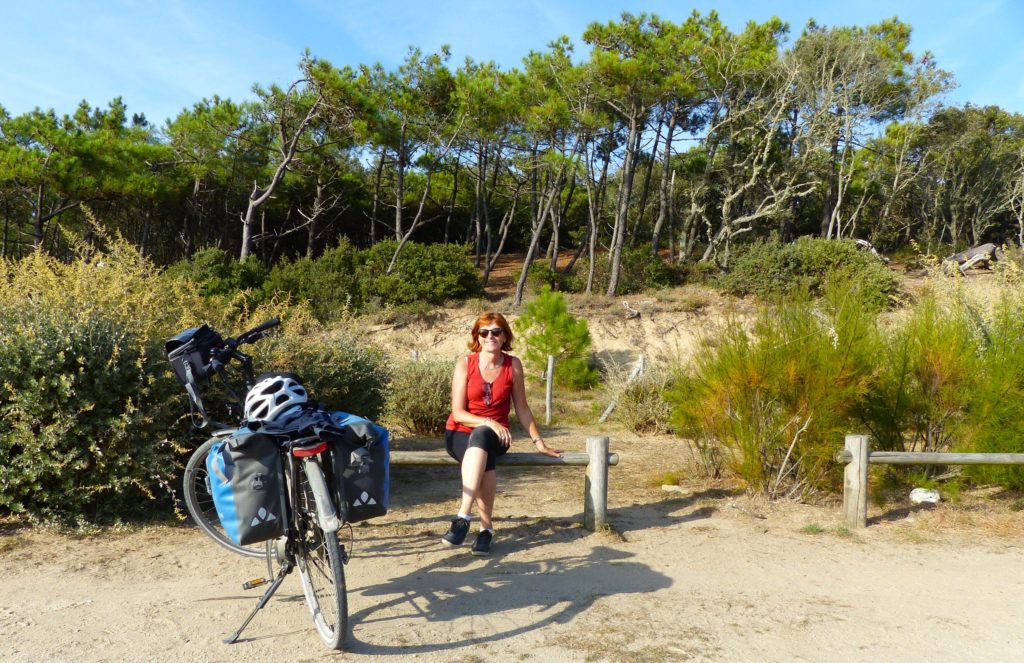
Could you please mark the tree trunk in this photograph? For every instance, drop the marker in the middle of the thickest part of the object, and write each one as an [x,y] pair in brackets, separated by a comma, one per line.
[532,250]
[830,196]
[376,197]
[7,223]
[478,205]
[506,223]
[664,206]
[619,232]
[40,224]
[645,192]
[144,239]
[400,185]
[554,187]
[451,205]
[313,220]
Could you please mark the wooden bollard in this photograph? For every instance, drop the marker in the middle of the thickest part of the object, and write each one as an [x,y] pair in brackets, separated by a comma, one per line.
[855,482]
[550,375]
[595,497]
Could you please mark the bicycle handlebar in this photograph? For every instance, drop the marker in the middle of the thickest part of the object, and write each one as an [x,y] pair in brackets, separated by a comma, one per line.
[222,357]
[256,332]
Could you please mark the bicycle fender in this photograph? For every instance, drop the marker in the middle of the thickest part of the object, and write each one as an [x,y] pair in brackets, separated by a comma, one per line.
[325,512]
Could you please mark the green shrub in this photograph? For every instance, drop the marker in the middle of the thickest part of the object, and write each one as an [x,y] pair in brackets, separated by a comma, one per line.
[548,328]
[336,365]
[641,405]
[927,370]
[994,421]
[769,268]
[420,398]
[638,272]
[217,273]
[778,398]
[433,273]
[86,397]
[328,283]
[541,274]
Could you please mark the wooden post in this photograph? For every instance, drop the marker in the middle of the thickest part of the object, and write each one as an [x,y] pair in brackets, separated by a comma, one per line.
[547,395]
[595,494]
[855,482]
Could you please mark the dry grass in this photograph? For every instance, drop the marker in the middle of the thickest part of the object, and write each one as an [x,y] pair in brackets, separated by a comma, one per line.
[985,512]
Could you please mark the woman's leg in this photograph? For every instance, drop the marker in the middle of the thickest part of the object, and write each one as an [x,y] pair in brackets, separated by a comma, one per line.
[485,498]
[473,464]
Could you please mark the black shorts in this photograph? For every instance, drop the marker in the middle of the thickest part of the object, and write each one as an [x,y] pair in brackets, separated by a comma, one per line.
[482,437]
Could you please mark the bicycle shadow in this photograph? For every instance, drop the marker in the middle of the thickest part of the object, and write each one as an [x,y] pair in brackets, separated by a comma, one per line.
[501,598]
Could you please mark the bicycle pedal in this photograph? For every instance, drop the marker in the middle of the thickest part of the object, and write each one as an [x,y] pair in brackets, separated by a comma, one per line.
[255,582]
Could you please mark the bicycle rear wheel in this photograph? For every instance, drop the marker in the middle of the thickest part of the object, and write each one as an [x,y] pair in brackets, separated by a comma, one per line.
[199,503]
[319,560]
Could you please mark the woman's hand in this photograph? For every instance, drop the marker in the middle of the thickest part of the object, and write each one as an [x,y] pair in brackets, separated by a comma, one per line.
[504,434]
[543,448]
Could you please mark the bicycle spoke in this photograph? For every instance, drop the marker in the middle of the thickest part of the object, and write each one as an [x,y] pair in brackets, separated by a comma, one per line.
[322,572]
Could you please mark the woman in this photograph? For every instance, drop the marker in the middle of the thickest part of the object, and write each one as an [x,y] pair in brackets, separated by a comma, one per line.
[485,385]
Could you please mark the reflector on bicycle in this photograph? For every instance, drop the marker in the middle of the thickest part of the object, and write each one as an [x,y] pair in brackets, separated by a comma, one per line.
[305,452]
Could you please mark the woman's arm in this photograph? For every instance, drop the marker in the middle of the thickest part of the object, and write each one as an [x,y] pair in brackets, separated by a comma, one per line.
[459,402]
[524,413]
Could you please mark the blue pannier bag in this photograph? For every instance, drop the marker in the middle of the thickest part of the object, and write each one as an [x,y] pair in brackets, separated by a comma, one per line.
[247,484]
[360,462]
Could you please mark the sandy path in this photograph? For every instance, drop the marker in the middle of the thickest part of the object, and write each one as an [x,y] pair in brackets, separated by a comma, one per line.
[705,575]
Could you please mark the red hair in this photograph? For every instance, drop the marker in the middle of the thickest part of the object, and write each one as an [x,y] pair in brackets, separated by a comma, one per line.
[485,319]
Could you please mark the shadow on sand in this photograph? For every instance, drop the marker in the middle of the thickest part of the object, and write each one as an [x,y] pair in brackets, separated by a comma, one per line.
[474,598]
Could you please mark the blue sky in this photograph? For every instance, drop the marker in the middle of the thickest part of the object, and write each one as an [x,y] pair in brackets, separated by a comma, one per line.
[164,56]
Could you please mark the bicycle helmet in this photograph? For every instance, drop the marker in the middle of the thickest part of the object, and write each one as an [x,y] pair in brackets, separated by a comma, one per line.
[275,397]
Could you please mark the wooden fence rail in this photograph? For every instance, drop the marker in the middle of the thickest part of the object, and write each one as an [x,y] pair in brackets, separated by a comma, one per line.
[596,459]
[858,455]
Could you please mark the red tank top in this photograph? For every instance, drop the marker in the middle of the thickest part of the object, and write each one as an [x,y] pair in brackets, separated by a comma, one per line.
[476,393]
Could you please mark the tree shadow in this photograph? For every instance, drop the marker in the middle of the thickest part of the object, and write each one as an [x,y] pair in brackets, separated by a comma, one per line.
[899,513]
[666,513]
[520,532]
[554,589]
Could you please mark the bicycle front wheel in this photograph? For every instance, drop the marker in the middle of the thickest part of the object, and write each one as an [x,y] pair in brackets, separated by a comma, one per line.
[199,503]
[319,560]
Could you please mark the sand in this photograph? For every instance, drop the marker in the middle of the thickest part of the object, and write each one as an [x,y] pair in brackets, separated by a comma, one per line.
[704,574]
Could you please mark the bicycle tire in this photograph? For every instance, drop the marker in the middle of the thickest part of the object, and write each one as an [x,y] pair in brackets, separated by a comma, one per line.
[199,503]
[319,560]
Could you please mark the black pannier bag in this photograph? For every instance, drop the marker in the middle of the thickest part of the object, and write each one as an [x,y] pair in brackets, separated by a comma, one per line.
[247,484]
[360,463]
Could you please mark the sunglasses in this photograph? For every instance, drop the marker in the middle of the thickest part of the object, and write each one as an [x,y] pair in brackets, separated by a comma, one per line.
[495,332]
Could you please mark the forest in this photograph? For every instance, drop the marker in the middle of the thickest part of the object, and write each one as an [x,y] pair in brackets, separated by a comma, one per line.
[667,154]
[687,140]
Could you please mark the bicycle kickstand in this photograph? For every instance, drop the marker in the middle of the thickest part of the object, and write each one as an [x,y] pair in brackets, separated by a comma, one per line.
[285,570]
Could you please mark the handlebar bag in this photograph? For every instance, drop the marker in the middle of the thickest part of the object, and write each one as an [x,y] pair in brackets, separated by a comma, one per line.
[189,353]
[360,463]
[247,485]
